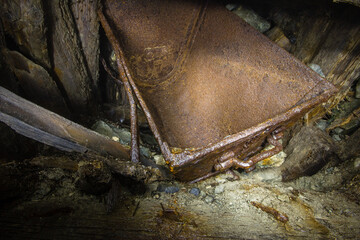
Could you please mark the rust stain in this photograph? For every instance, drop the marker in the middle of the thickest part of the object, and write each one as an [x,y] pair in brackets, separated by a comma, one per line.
[277,215]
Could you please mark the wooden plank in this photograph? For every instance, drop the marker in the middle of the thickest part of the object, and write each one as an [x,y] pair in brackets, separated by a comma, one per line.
[47,127]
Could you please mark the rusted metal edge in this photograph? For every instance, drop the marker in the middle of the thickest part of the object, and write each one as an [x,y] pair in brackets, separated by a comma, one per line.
[185,157]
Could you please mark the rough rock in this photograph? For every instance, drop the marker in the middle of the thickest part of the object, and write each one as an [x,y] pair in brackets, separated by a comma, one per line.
[209,199]
[123,134]
[316,68]
[278,36]
[159,160]
[87,24]
[195,191]
[329,178]
[167,188]
[308,151]
[69,59]
[354,2]
[351,148]
[145,152]
[252,18]
[37,84]
[219,189]
[322,124]
[24,22]
[103,128]
[94,178]
[357,90]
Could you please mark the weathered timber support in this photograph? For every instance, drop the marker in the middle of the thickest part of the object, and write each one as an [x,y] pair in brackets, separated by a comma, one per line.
[47,127]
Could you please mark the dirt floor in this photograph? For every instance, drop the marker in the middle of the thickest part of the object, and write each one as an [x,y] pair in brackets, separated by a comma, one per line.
[255,206]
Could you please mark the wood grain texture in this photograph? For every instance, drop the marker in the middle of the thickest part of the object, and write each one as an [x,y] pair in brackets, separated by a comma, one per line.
[47,127]
[69,60]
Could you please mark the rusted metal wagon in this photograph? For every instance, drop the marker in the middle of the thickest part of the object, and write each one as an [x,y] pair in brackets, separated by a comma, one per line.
[213,89]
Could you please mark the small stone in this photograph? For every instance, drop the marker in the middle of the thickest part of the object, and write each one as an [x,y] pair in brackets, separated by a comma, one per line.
[316,68]
[219,189]
[159,160]
[322,124]
[208,199]
[156,196]
[171,189]
[53,174]
[252,18]
[167,188]
[116,139]
[338,130]
[231,6]
[336,138]
[195,191]
[357,89]
[145,152]
[357,163]
[123,134]
[102,128]
[208,187]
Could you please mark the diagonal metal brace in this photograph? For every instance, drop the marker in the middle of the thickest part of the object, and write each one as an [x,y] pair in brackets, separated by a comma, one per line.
[125,76]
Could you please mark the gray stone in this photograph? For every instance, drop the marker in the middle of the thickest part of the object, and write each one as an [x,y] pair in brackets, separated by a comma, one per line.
[145,152]
[219,189]
[195,191]
[102,128]
[357,163]
[123,134]
[338,130]
[209,199]
[231,6]
[322,124]
[357,89]
[316,68]
[159,160]
[336,137]
[252,18]
[167,188]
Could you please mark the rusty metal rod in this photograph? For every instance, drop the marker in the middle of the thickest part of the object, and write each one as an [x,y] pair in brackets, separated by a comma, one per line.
[273,139]
[124,76]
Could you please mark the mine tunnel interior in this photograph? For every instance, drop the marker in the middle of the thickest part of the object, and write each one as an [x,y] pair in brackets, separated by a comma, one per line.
[67,168]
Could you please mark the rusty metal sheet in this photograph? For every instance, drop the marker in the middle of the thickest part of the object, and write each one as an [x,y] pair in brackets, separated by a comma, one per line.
[212,87]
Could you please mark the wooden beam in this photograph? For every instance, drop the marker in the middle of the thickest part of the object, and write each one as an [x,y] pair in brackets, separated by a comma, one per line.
[44,126]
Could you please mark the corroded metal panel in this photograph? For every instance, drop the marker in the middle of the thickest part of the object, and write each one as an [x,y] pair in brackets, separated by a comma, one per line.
[212,87]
